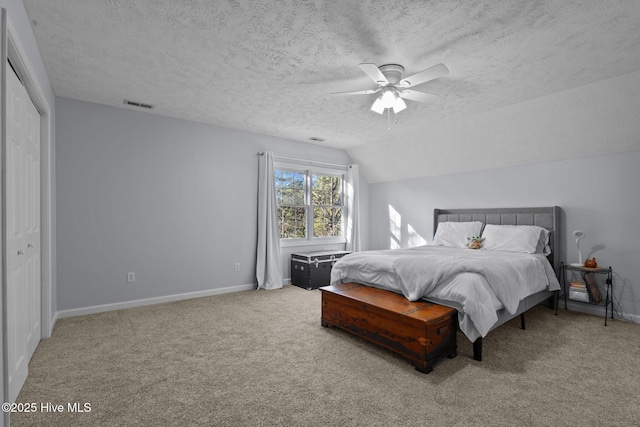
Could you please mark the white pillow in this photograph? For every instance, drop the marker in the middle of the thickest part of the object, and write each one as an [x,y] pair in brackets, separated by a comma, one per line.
[530,239]
[543,244]
[455,233]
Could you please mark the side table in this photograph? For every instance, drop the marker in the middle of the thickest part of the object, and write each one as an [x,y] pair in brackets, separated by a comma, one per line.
[598,270]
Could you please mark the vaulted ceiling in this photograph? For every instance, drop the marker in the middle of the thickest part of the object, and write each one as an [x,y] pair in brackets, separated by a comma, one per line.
[269,67]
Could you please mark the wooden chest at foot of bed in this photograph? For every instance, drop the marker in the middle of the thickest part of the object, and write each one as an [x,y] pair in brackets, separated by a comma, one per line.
[419,331]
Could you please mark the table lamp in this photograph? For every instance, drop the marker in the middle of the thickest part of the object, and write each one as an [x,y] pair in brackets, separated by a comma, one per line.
[578,234]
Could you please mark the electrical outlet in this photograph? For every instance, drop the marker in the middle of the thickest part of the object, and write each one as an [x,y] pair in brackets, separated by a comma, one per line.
[131,277]
[236,267]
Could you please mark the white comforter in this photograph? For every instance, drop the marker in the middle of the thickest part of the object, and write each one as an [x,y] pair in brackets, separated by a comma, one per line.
[476,282]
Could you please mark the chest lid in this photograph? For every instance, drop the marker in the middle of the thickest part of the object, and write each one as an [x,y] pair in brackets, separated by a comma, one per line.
[319,256]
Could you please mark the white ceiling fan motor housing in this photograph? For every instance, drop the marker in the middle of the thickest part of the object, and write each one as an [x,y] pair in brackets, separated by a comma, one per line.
[393,72]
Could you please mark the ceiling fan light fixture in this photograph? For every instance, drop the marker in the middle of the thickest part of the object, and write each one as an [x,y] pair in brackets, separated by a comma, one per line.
[377,106]
[399,105]
[388,98]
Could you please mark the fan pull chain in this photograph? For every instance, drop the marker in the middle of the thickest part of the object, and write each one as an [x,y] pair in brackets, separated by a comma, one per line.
[395,118]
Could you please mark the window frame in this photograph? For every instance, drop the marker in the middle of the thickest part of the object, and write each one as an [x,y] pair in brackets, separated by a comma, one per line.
[309,170]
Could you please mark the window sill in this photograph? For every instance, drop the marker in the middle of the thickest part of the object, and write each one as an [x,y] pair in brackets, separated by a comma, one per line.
[316,242]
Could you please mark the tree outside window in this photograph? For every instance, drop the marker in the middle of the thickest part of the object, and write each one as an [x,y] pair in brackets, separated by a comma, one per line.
[292,205]
[326,194]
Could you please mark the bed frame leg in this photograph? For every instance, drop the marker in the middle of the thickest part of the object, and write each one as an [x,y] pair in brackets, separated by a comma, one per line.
[522,321]
[477,349]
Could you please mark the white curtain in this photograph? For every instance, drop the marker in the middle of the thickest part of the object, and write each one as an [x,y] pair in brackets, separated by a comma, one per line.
[353,209]
[269,263]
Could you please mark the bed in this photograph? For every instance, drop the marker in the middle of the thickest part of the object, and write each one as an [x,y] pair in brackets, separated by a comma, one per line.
[489,286]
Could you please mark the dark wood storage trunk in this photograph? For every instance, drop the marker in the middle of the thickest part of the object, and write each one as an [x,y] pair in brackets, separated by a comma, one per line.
[419,331]
[313,270]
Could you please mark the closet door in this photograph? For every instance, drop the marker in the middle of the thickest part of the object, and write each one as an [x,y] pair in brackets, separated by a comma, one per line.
[22,212]
[32,226]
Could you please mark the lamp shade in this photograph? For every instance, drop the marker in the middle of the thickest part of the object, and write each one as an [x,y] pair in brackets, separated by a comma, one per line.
[399,105]
[388,98]
[377,106]
[578,234]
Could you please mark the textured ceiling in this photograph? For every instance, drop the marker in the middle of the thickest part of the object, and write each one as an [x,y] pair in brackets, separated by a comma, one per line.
[268,66]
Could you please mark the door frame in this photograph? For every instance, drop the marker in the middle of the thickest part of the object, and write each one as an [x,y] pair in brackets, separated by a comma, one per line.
[13,50]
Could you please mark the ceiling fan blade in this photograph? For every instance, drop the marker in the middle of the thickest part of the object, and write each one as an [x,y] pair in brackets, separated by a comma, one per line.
[416,95]
[374,73]
[357,92]
[424,76]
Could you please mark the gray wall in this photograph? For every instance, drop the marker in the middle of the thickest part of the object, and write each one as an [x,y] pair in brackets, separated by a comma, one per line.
[171,200]
[598,195]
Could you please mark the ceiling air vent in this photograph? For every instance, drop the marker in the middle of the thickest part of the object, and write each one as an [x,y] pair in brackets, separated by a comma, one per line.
[138,104]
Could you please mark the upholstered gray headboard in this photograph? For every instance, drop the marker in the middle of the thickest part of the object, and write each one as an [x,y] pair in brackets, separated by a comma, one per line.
[547,217]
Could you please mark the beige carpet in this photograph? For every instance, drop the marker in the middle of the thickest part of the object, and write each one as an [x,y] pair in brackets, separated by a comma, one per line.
[262,359]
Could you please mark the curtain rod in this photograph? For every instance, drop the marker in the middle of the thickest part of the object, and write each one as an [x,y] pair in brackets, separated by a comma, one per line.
[261,153]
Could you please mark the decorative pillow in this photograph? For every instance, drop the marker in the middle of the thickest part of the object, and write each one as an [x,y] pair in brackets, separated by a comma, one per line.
[530,239]
[455,233]
[475,242]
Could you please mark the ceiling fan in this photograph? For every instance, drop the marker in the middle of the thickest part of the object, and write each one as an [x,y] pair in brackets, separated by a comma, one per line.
[393,88]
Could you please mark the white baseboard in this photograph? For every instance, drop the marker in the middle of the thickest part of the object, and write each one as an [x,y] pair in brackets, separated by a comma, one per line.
[52,324]
[150,301]
[598,310]
[629,317]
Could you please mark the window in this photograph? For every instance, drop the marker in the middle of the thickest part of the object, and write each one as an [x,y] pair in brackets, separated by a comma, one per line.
[292,204]
[310,203]
[326,196]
